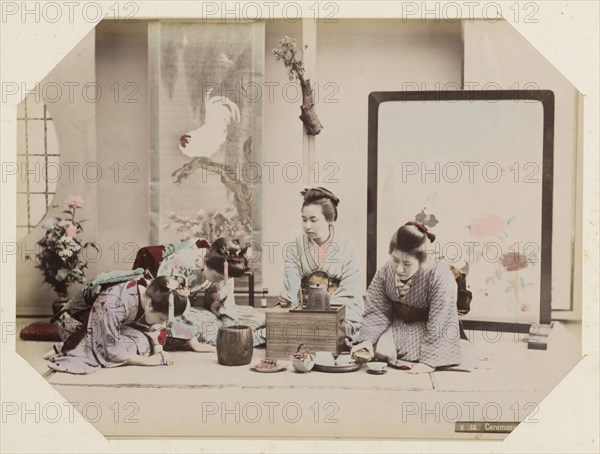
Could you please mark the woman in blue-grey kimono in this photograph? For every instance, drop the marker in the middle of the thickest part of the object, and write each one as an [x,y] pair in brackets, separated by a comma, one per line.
[125,325]
[322,248]
[209,271]
[410,310]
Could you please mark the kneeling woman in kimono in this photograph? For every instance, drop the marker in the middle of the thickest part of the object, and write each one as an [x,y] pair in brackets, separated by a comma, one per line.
[322,248]
[209,271]
[111,334]
[412,301]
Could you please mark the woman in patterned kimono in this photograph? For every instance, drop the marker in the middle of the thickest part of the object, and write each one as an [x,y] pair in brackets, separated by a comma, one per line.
[412,300]
[322,248]
[110,336]
[209,273]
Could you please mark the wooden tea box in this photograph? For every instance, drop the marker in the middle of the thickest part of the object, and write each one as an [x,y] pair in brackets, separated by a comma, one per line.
[319,330]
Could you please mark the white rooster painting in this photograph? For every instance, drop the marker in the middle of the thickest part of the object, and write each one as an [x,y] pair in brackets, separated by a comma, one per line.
[206,141]
[203,126]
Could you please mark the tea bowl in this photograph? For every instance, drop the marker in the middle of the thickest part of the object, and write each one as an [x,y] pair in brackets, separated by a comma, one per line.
[377,366]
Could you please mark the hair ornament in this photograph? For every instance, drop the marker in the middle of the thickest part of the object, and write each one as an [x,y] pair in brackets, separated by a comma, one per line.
[176,285]
[422,229]
[171,314]
[183,292]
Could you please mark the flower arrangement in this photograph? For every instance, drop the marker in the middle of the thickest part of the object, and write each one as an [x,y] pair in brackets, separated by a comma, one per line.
[60,255]
[288,53]
[210,225]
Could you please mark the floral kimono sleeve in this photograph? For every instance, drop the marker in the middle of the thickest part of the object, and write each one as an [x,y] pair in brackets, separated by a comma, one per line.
[118,342]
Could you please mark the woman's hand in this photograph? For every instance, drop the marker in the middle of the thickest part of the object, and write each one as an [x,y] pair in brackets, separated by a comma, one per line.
[362,352]
[198,347]
[421,368]
[51,354]
[165,358]
[284,301]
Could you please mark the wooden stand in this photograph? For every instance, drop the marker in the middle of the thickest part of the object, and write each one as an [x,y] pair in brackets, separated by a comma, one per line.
[319,330]
[538,337]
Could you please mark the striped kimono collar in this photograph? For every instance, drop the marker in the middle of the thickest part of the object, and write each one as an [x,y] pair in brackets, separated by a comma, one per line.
[402,288]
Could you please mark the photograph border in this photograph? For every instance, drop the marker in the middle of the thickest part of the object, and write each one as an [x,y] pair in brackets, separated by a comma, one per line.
[572,405]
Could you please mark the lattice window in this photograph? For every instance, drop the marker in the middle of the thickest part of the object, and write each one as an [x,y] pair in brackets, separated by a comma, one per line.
[38,163]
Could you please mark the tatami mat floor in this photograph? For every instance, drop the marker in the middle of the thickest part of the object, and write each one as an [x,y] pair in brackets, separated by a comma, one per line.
[203,398]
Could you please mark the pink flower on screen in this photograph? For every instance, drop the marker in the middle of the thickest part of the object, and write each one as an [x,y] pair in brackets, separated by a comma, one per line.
[487,225]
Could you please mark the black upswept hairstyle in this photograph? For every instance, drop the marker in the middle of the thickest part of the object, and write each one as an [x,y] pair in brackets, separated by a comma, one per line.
[410,239]
[325,198]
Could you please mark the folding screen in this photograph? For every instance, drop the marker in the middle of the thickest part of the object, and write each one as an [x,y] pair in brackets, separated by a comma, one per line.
[476,168]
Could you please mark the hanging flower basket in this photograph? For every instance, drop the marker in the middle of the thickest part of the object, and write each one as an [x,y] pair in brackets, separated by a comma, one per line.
[288,53]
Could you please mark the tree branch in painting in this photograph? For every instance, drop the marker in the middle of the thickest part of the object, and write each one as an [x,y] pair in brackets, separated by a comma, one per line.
[242,193]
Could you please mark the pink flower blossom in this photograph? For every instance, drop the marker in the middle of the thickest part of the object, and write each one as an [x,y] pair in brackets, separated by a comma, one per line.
[65,223]
[71,231]
[487,225]
[74,201]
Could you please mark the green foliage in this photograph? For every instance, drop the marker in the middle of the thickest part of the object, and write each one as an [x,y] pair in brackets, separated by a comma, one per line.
[288,53]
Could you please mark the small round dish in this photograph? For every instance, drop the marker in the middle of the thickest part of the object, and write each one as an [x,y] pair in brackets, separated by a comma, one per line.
[376,372]
[268,371]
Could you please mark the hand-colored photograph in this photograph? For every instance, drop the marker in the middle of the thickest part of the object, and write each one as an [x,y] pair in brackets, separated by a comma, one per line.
[350,227]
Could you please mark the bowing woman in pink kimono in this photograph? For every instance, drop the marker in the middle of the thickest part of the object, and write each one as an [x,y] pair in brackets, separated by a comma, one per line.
[125,326]
[410,310]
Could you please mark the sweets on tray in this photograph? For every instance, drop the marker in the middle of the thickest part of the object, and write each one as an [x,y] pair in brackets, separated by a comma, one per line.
[267,364]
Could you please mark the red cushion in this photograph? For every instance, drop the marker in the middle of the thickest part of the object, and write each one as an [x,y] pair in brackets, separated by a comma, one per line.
[40,331]
[149,258]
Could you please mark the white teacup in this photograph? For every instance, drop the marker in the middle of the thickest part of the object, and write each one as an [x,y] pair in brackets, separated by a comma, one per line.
[324,359]
[344,360]
[377,366]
